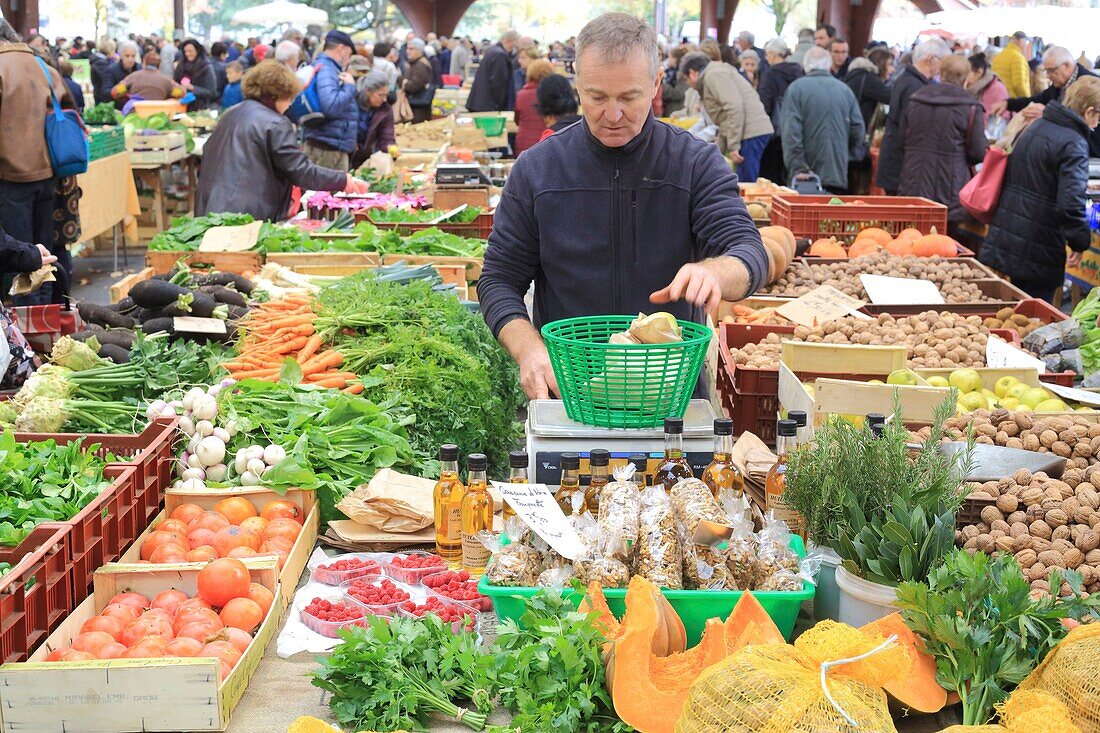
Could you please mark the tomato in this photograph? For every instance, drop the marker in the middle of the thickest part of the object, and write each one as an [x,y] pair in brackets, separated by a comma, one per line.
[75,655]
[238,638]
[281,509]
[191,603]
[123,613]
[196,614]
[241,552]
[136,600]
[222,650]
[262,596]
[146,626]
[169,600]
[110,624]
[114,650]
[288,528]
[222,580]
[186,513]
[156,539]
[230,537]
[90,641]
[170,552]
[143,651]
[255,524]
[172,525]
[200,631]
[203,553]
[242,613]
[183,646]
[199,537]
[209,520]
[236,509]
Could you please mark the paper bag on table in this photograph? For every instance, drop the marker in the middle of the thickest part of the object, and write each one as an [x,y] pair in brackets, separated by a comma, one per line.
[753,457]
[392,502]
[381,162]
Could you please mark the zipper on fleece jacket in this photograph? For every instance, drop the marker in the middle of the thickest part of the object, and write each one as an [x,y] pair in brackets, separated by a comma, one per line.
[634,226]
[616,240]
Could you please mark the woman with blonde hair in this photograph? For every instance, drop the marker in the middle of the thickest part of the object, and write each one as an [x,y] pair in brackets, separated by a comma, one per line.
[529,122]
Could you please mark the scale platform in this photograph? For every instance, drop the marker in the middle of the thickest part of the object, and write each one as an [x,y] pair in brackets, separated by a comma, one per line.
[550,433]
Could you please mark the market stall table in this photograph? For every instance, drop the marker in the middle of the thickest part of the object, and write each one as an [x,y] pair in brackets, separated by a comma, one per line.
[108,198]
[151,177]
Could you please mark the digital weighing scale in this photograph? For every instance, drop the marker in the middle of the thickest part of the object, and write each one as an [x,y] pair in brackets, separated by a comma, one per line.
[550,433]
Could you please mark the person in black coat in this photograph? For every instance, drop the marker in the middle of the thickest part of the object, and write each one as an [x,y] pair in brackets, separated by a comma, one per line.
[1042,203]
[867,79]
[927,57]
[98,65]
[490,90]
[773,85]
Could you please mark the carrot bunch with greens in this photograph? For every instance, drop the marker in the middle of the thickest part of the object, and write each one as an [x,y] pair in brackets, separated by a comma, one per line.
[282,329]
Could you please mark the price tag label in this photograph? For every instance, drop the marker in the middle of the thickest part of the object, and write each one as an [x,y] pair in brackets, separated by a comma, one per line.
[999,354]
[884,290]
[535,504]
[191,324]
[231,239]
[448,214]
[821,305]
[1092,399]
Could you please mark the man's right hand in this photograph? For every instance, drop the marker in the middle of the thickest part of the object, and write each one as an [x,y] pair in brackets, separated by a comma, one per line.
[356,185]
[48,258]
[346,77]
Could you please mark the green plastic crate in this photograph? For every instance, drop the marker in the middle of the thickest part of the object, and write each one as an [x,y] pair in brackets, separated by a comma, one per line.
[106,141]
[623,386]
[491,126]
[693,606]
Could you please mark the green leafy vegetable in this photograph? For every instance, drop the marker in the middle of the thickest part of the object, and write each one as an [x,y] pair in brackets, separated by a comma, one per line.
[419,216]
[103,113]
[186,232]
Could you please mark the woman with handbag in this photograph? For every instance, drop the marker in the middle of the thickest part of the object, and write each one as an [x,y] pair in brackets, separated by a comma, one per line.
[1041,208]
[195,74]
[417,83]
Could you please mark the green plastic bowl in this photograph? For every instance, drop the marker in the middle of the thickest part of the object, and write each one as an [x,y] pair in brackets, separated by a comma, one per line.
[491,126]
[693,606]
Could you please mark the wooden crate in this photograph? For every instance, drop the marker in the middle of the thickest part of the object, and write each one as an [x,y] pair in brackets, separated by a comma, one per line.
[237,262]
[451,197]
[131,695]
[161,148]
[121,289]
[261,497]
[294,260]
[472,265]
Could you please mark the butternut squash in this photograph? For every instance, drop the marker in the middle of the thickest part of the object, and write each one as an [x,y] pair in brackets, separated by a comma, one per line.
[673,638]
[784,235]
[917,688]
[749,623]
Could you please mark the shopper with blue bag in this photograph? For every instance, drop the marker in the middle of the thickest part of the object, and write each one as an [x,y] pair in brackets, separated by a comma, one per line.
[41,140]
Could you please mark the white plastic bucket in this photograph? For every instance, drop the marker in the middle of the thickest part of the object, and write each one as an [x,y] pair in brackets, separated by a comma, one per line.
[827,597]
[862,601]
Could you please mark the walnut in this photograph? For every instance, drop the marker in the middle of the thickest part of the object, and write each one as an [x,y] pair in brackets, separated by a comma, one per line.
[1088,540]
[1031,443]
[1040,529]
[1032,496]
[1092,557]
[1060,533]
[985,543]
[1070,505]
[1056,517]
[1083,515]
[1007,504]
[1017,516]
[1061,546]
[1024,421]
[999,525]
[1073,558]
[1017,529]
[1005,544]
[1023,542]
[1026,558]
[970,531]
[991,514]
[1048,438]
[1051,559]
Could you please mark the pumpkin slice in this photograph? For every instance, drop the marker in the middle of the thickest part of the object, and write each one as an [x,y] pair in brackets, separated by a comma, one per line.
[749,623]
[917,688]
[595,600]
[674,625]
[784,235]
[649,691]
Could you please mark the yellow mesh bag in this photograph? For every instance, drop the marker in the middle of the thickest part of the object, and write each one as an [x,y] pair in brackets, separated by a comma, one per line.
[818,684]
[1068,674]
[1026,711]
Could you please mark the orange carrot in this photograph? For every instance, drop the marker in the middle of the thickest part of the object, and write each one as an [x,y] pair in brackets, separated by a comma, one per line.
[331,375]
[310,348]
[335,383]
[322,361]
[257,373]
[356,388]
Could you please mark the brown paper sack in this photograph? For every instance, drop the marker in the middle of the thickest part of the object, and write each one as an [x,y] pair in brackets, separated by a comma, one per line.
[392,502]
[29,282]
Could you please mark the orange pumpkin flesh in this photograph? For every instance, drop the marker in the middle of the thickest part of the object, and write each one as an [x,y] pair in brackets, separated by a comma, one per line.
[917,689]
[748,624]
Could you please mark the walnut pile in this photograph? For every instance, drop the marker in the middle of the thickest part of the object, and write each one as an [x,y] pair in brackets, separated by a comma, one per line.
[951,276]
[1076,439]
[933,340]
[1044,523]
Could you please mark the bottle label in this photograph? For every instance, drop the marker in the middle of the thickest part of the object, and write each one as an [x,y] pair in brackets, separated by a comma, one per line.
[782,510]
[452,528]
[474,553]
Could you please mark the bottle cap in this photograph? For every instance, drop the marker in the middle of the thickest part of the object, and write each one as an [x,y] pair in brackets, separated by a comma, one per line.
[787,428]
[518,459]
[570,461]
[640,461]
[674,425]
[448,452]
[799,417]
[477,462]
[599,457]
[877,429]
[723,426]
[876,418]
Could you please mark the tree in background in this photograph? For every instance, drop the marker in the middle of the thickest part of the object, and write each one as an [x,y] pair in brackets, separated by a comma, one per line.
[781,9]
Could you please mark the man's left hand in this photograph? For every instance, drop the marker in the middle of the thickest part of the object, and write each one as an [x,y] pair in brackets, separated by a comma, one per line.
[694,283]
[1033,111]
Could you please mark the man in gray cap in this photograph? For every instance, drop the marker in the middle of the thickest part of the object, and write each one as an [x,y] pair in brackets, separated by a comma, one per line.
[330,142]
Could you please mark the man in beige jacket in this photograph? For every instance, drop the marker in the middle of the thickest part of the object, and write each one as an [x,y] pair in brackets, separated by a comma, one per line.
[743,126]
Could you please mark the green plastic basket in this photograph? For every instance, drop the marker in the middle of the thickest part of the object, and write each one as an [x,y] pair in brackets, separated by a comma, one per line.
[613,386]
[694,607]
[491,126]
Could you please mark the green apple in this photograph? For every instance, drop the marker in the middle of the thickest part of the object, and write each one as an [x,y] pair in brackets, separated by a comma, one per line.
[938,381]
[875,381]
[1010,403]
[903,377]
[992,402]
[971,401]
[1023,408]
[1034,396]
[966,380]
[1085,408]
[1017,391]
[1052,405]
[1003,384]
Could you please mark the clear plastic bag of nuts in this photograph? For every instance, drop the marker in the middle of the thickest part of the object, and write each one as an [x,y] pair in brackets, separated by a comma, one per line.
[740,551]
[602,564]
[658,556]
[777,561]
[704,566]
[788,580]
[620,507]
[515,564]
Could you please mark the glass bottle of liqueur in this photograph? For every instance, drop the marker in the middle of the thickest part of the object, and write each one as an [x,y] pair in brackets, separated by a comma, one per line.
[517,474]
[641,465]
[721,473]
[674,466]
[776,483]
[802,436]
[570,496]
[873,420]
[447,501]
[477,515]
[599,462]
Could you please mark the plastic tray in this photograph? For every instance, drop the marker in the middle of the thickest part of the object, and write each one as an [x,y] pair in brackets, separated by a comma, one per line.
[814,216]
[36,595]
[388,609]
[412,576]
[329,628]
[481,604]
[693,606]
[336,577]
[456,626]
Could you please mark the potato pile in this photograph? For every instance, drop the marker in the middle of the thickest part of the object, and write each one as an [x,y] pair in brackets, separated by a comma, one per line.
[952,276]
[1043,522]
[932,340]
[1076,439]
[1006,318]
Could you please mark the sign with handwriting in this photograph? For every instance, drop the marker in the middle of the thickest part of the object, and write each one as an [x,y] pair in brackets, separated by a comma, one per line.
[231,239]
[535,505]
[821,305]
[883,290]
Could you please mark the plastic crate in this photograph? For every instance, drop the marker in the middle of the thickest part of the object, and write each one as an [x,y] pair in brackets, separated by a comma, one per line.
[814,216]
[105,141]
[479,228]
[491,126]
[36,594]
[96,536]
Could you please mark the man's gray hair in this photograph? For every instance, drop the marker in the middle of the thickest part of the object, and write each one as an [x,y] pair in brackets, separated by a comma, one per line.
[288,52]
[617,37]
[372,81]
[777,46]
[748,53]
[806,34]
[933,48]
[693,61]
[129,46]
[509,36]
[817,59]
[1059,55]
[7,33]
[747,38]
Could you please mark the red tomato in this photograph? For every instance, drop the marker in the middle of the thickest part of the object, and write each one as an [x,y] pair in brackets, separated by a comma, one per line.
[186,513]
[222,580]
[281,509]
[242,613]
[262,596]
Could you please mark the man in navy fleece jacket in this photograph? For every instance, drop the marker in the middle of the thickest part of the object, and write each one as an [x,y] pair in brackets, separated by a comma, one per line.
[615,214]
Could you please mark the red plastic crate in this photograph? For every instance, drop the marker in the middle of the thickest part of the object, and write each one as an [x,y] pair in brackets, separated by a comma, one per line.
[814,217]
[96,537]
[36,595]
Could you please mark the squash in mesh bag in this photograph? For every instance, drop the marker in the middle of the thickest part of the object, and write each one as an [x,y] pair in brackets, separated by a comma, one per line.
[776,688]
[1068,674]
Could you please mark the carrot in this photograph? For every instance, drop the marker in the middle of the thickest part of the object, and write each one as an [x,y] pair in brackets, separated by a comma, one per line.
[356,388]
[310,348]
[331,375]
[322,362]
[334,383]
[292,321]
[235,366]
[257,373]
